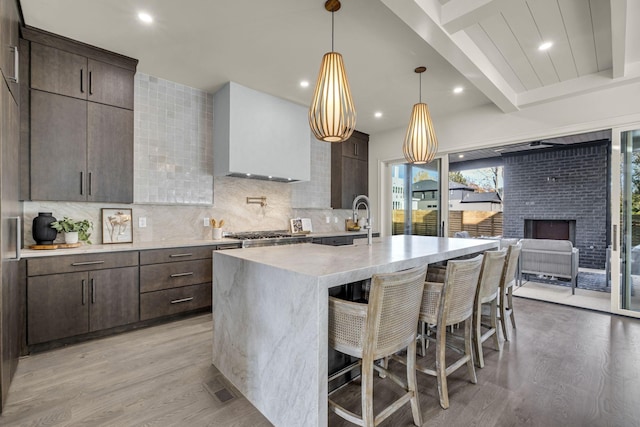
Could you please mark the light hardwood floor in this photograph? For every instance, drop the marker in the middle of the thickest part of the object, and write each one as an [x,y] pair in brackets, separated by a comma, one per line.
[563,367]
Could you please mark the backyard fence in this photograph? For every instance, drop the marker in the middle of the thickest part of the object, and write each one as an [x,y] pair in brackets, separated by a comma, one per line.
[477,223]
[425,222]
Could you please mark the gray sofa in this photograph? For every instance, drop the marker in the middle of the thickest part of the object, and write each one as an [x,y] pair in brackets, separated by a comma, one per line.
[556,258]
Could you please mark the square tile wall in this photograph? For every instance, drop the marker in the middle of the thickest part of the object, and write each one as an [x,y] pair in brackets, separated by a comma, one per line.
[315,193]
[173,143]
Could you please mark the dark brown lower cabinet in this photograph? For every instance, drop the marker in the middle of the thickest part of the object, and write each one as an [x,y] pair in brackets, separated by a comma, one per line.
[69,304]
[173,301]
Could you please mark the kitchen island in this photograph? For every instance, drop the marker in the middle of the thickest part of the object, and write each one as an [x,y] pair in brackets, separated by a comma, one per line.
[270,314]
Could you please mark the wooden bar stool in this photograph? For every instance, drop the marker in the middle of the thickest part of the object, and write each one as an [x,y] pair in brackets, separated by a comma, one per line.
[507,283]
[445,304]
[488,292]
[384,326]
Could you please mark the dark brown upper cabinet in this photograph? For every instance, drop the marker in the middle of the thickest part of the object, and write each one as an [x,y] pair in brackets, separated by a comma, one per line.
[10,50]
[65,73]
[80,135]
[349,170]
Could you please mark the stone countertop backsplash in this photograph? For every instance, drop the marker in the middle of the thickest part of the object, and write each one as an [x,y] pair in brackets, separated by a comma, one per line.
[140,246]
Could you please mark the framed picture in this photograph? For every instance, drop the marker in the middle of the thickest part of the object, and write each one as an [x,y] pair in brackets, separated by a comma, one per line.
[117,226]
[296,225]
[301,226]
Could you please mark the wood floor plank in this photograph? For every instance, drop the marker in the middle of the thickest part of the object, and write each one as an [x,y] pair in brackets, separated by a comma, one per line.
[563,367]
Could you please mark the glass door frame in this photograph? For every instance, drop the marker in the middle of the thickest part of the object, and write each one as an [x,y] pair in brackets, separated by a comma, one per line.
[616,224]
[385,207]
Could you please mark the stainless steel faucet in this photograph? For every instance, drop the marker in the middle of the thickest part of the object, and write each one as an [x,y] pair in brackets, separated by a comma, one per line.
[363,200]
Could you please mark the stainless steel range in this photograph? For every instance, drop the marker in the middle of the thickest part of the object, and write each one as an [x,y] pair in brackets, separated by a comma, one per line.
[252,239]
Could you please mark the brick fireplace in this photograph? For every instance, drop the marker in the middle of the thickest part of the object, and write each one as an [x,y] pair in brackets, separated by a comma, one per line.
[557,229]
[561,192]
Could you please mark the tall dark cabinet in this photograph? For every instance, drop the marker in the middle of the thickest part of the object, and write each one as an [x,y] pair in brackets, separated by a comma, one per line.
[81,120]
[349,170]
[10,207]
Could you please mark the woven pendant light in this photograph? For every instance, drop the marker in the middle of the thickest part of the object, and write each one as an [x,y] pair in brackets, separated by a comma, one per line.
[420,142]
[332,115]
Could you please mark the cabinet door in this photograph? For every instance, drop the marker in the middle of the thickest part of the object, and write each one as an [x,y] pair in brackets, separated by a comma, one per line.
[10,40]
[354,180]
[57,307]
[58,147]
[110,155]
[114,297]
[10,208]
[356,147]
[57,71]
[110,84]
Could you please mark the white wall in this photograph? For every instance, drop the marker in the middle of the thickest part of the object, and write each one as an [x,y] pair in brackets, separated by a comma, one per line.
[487,126]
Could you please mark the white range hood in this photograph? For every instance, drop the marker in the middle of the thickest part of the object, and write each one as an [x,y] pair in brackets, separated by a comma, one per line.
[256,135]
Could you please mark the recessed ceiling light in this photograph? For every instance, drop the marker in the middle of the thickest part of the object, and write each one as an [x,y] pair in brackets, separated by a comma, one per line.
[270,177]
[248,174]
[304,83]
[458,89]
[145,17]
[378,114]
[460,156]
[545,45]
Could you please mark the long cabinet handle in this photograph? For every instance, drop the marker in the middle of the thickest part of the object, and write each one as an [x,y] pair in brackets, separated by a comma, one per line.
[84,292]
[18,236]
[179,255]
[93,291]
[90,83]
[182,274]
[81,80]
[90,184]
[76,264]
[81,183]
[615,237]
[16,65]
[355,149]
[178,301]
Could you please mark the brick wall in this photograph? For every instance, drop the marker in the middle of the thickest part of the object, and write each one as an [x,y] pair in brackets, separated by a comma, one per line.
[565,184]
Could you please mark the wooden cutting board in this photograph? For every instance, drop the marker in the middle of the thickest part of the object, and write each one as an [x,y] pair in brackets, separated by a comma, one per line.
[56,246]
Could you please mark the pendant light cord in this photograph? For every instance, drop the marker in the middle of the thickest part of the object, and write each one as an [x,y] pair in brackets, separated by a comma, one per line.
[420,94]
[332,13]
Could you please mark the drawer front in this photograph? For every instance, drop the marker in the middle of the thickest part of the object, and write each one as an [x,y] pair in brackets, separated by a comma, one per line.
[158,256]
[175,274]
[173,301]
[88,262]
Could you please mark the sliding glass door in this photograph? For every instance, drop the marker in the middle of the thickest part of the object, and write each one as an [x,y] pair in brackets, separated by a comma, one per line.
[416,199]
[625,222]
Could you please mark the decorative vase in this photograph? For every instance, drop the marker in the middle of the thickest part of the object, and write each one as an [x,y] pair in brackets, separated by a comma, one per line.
[71,237]
[41,230]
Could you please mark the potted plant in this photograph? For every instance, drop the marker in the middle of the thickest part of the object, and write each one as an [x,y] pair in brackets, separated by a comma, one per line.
[73,230]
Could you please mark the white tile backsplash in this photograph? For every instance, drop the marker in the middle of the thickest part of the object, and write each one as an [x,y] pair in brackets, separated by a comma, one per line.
[173,177]
[173,143]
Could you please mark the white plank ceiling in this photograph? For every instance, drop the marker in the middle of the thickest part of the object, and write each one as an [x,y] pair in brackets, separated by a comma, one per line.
[489,47]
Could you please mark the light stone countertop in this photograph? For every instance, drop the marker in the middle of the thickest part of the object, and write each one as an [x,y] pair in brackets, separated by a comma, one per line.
[271,314]
[121,247]
[139,246]
[337,265]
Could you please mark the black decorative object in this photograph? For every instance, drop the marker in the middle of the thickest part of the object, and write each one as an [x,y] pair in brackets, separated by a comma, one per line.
[41,231]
